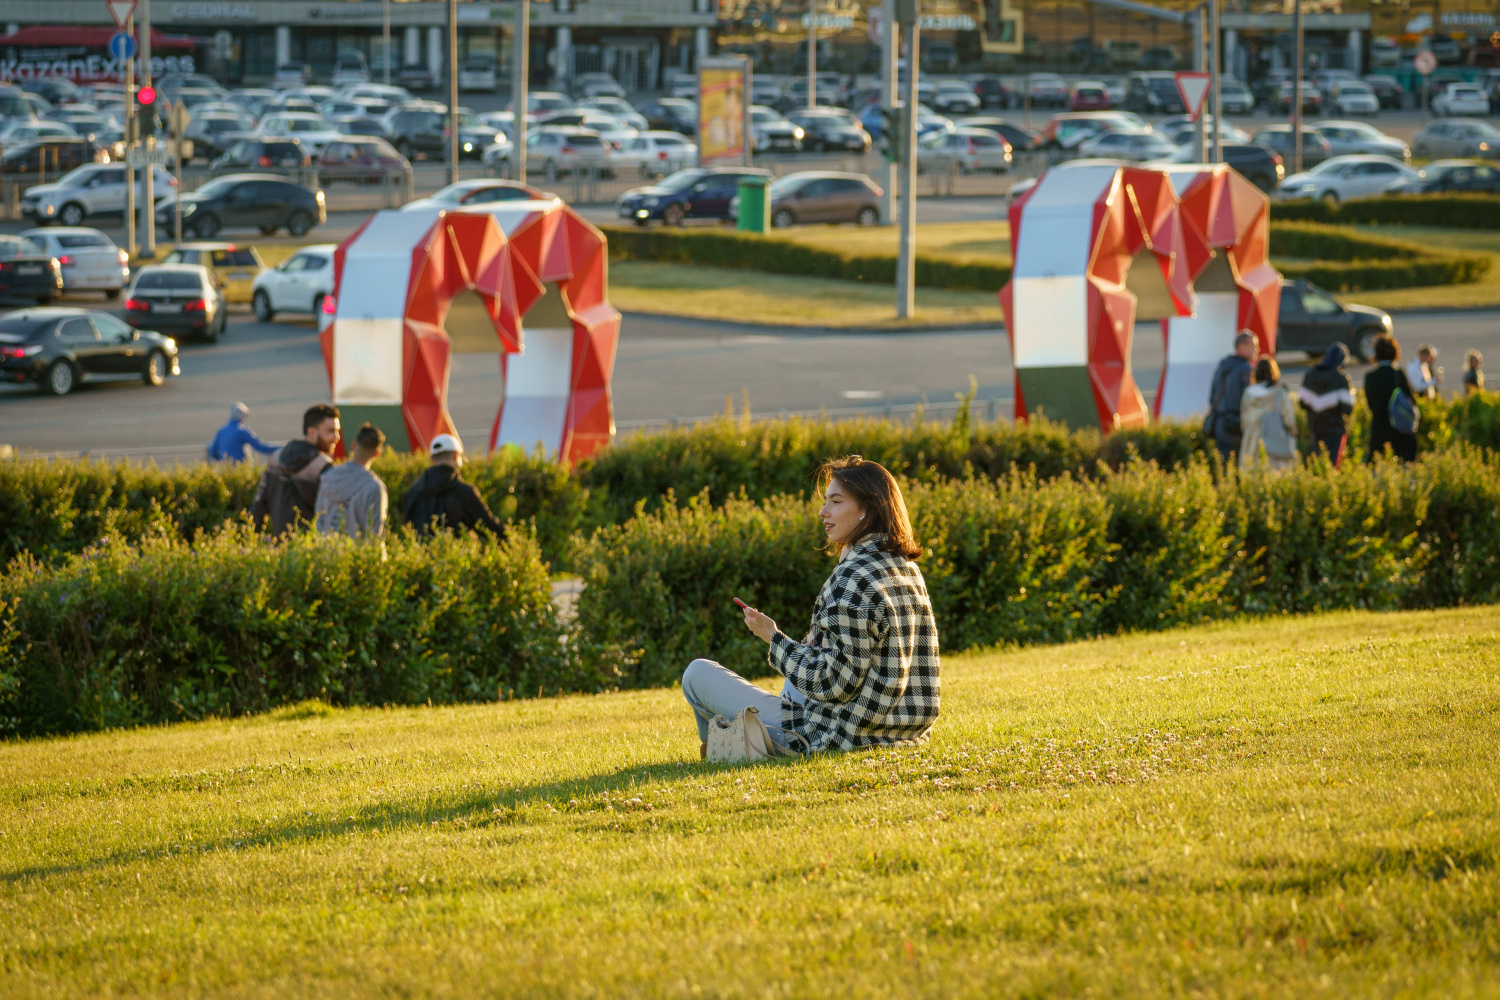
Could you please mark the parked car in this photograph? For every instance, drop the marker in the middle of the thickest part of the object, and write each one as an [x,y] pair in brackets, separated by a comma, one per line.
[212,134]
[695,193]
[422,130]
[964,151]
[672,115]
[50,156]
[1442,176]
[1312,98]
[59,348]
[297,284]
[251,100]
[772,133]
[1047,90]
[1354,97]
[27,271]
[1385,52]
[1461,99]
[955,97]
[350,68]
[55,89]
[293,74]
[1181,130]
[1153,93]
[181,298]
[92,190]
[830,130]
[499,155]
[1312,321]
[480,191]
[21,133]
[309,129]
[264,201]
[478,74]
[1158,58]
[361,159]
[1135,145]
[994,92]
[1234,97]
[1387,91]
[656,154]
[1068,130]
[617,107]
[1456,137]
[1347,138]
[545,102]
[253,153]
[235,266]
[86,257]
[822,196]
[1020,139]
[416,78]
[1315,148]
[1341,178]
[1257,164]
[1088,95]
[555,151]
[598,85]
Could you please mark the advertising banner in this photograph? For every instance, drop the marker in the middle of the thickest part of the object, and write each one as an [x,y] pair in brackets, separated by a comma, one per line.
[723,110]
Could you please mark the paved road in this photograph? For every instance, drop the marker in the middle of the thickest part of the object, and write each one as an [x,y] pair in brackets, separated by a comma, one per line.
[665,369]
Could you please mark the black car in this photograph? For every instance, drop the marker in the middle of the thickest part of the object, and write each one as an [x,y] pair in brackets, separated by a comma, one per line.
[416,77]
[830,130]
[51,157]
[1020,139]
[27,271]
[695,193]
[215,133]
[57,348]
[1153,93]
[671,114]
[184,298]
[422,129]
[264,201]
[1387,91]
[993,91]
[1313,321]
[1262,167]
[1451,175]
[1278,138]
[270,155]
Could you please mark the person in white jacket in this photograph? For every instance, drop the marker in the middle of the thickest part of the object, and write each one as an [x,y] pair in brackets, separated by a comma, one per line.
[1421,375]
[1269,419]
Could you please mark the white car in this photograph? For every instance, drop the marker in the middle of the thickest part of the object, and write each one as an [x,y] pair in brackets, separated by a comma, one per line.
[1136,145]
[21,133]
[92,189]
[297,284]
[967,150]
[598,85]
[309,129]
[1353,97]
[685,86]
[1342,178]
[656,154]
[477,74]
[387,92]
[617,108]
[955,97]
[88,258]
[350,69]
[1461,99]
[497,155]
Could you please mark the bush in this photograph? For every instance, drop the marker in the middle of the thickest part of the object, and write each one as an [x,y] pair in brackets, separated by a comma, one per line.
[169,630]
[1368,262]
[1447,211]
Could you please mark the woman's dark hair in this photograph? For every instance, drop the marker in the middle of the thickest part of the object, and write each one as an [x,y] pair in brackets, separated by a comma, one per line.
[1267,371]
[1386,348]
[875,490]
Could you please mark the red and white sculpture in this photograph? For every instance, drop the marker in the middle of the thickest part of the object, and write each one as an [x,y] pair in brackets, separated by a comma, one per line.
[389,344]
[1077,287]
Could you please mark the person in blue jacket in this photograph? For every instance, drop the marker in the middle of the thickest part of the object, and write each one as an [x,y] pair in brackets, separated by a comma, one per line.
[233,438]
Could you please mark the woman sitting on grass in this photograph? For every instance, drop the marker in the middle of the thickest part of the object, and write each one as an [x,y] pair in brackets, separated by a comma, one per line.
[867,673]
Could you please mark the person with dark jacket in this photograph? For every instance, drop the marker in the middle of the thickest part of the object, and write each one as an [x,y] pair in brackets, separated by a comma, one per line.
[1225,393]
[440,499]
[1384,381]
[288,490]
[1328,400]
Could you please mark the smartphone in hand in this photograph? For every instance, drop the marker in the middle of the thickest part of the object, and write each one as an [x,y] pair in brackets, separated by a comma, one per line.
[742,604]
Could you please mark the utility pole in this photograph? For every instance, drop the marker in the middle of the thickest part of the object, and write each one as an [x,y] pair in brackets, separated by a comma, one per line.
[1297,90]
[149,208]
[520,71]
[130,244]
[1200,36]
[1217,69]
[385,35]
[453,91]
[906,252]
[890,52]
[812,53]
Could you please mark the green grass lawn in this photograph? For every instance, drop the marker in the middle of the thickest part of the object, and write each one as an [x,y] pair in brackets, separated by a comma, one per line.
[1300,807]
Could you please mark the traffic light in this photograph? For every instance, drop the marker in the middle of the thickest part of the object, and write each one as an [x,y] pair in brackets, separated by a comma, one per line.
[892,133]
[145,110]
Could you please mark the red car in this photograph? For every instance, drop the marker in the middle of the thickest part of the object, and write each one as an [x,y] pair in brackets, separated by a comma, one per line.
[1089,95]
[359,160]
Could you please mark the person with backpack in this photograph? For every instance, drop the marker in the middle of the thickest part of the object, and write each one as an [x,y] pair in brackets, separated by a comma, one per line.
[1269,419]
[1230,379]
[287,494]
[440,499]
[1393,406]
[1328,400]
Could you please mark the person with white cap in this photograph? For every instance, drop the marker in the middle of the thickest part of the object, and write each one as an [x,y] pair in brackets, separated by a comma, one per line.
[231,440]
[440,499]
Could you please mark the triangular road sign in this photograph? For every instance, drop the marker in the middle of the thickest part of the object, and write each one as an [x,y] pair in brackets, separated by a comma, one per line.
[1192,86]
[120,10]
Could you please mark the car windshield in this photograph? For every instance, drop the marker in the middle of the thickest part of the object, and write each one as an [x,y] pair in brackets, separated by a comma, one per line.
[167,280]
[789,183]
[682,180]
[12,248]
[78,176]
[1354,88]
[215,189]
[1162,86]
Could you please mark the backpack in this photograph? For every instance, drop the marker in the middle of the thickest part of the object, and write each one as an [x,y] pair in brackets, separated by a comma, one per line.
[1402,409]
[1273,435]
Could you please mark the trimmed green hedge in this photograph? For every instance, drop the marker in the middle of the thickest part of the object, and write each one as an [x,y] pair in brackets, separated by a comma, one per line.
[1446,211]
[1344,260]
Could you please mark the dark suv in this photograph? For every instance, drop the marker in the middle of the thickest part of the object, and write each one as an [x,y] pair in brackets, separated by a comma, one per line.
[264,201]
[417,130]
[1312,320]
[262,155]
[695,193]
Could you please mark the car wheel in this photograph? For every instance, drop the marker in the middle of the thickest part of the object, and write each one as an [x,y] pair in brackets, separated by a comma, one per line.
[299,224]
[71,215]
[268,230]
[44,300]
[206,227]
[1364,344]
[211,332]
[672,215]
[60,378]
[868,217]
[1331,199]
[155,370]
[261,303]
[317,308]
[782,219]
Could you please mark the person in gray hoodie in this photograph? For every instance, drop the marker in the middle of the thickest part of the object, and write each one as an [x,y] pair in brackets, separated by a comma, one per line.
[351,499]
[288,490]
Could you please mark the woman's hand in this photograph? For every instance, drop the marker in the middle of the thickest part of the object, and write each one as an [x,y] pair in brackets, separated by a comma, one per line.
[760,624]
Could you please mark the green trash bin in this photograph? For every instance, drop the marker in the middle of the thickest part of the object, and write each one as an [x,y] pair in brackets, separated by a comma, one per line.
[755,205]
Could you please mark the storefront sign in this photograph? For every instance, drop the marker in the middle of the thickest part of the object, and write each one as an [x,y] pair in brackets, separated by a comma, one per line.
[199,12]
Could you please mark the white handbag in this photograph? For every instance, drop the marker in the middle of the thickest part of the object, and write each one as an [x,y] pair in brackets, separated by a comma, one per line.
[742,740]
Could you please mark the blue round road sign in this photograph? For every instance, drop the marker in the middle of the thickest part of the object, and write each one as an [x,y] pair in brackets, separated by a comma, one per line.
[122,45]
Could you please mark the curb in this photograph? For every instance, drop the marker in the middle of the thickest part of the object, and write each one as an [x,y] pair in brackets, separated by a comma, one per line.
[815,331]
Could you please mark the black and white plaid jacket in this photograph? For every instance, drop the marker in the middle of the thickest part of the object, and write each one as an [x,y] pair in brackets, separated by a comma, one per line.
[869,667]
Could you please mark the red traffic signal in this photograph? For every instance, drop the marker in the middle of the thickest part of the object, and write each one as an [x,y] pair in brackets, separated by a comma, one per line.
[146,95]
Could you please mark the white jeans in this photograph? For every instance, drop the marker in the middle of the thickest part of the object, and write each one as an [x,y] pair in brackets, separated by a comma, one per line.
[713,690]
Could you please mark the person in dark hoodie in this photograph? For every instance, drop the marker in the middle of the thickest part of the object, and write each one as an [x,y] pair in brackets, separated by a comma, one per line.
[288,490]
[1225,392]
[1328,400]
[440,499]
